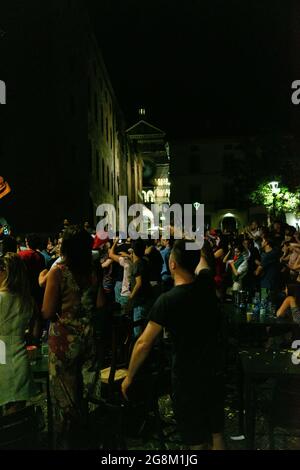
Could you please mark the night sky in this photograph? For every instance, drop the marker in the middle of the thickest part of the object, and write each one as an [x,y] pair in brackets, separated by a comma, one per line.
[199,66]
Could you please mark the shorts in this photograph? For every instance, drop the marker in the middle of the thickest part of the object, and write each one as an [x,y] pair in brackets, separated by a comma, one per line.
[199,411]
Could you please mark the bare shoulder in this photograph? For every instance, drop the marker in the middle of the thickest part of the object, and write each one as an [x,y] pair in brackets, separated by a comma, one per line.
[55,273]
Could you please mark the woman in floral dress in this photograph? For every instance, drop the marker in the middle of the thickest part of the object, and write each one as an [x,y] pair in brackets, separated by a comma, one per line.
[72,297]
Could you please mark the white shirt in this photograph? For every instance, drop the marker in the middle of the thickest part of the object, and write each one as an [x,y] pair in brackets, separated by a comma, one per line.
[126,263]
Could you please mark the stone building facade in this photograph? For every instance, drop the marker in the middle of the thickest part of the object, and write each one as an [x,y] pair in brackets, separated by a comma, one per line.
[63,145]
[197,176]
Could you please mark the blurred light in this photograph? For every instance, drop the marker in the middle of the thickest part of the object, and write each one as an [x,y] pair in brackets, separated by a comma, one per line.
[274,186]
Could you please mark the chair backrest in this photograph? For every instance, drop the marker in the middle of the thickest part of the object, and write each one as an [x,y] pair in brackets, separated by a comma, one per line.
[122,345]
[285,407]
[19,430]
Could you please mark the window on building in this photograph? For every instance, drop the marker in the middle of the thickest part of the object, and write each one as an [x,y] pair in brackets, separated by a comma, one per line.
[96,106]
[106,126]
[229,195]
[228,162]
[195,163]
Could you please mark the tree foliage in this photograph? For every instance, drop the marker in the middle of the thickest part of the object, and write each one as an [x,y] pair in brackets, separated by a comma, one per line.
[285,200]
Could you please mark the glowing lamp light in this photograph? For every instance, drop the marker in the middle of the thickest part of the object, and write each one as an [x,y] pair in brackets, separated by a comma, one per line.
[196,205]
[274,186]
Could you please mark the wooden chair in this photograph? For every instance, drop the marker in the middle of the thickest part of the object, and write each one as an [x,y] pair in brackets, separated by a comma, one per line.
[122,343]
[114,413]
[20,430]
[107,420]
[284,411]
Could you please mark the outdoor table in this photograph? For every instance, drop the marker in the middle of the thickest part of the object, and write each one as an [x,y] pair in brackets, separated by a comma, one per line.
[237,316]
[40,370]
[258,330]
[258,365]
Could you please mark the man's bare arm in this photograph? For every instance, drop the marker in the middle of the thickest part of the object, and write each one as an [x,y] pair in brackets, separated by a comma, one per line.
[140,352]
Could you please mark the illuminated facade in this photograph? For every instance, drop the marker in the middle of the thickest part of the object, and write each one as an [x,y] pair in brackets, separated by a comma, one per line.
[150,145]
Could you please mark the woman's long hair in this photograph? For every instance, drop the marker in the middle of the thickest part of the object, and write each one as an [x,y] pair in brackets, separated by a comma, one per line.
[76,250]
[16,279]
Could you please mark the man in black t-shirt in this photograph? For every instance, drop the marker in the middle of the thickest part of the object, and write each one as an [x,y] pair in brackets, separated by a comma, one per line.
[190,313]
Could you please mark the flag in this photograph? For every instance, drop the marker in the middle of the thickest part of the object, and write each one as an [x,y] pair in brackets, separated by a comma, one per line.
[4,187]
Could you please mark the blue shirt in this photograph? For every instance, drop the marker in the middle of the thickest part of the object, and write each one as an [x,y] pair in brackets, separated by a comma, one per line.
[165,272]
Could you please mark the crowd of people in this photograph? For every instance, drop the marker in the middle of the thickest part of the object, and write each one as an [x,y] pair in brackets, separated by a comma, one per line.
[58,285]
[258,259]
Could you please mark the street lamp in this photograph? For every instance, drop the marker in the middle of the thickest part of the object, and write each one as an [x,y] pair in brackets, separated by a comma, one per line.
[274,186]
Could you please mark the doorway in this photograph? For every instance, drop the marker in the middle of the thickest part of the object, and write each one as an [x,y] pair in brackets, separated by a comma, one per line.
[229,224]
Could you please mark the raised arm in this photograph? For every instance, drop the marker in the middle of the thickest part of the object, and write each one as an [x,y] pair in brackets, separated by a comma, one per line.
[43,277]
[226,256]
[258,270]
[111,252]
[219,253]
[284,306]
[106,263]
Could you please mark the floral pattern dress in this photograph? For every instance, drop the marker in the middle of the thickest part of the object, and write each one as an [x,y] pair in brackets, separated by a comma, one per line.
[73,367]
